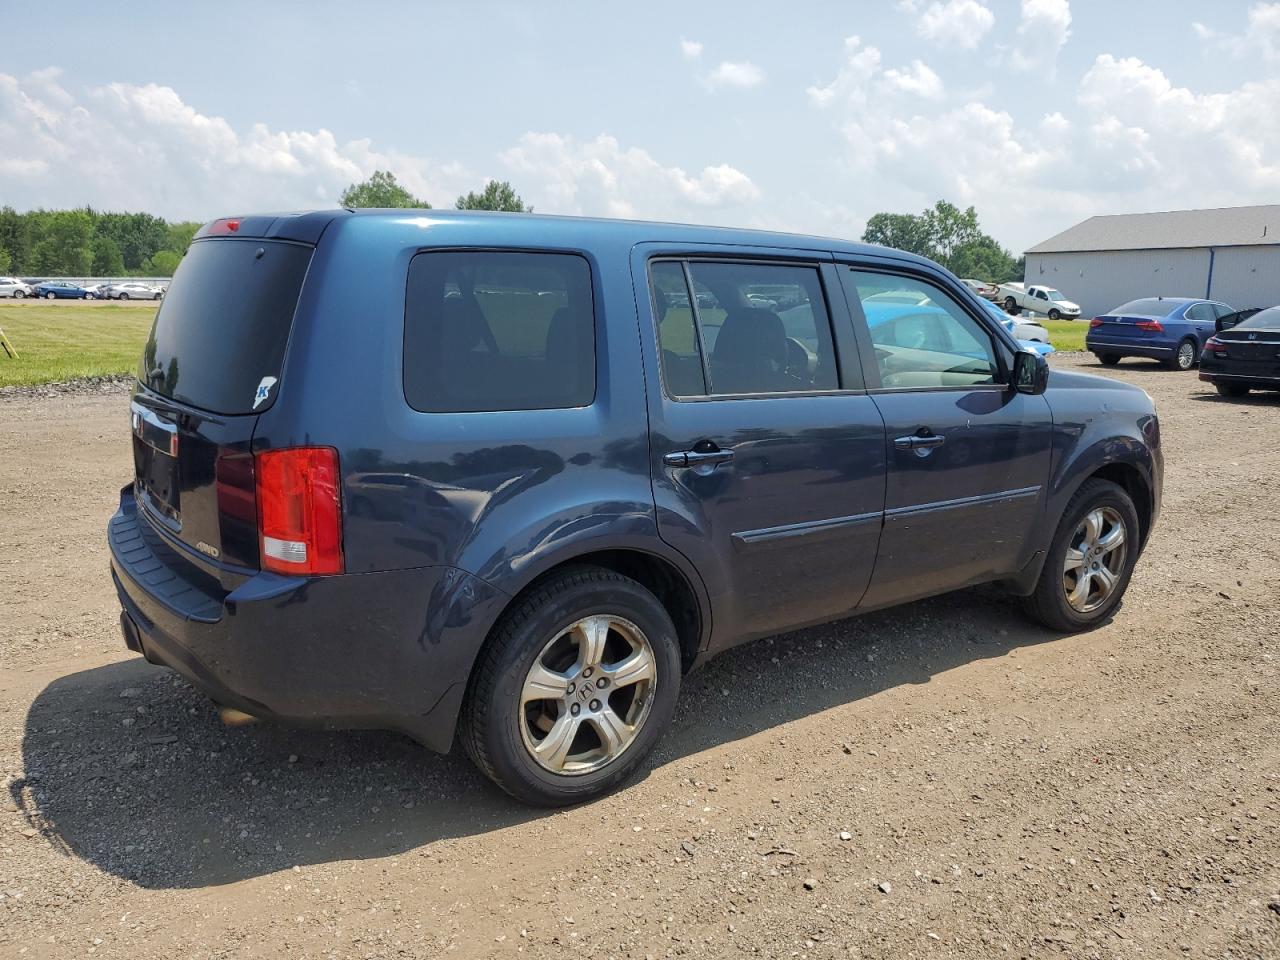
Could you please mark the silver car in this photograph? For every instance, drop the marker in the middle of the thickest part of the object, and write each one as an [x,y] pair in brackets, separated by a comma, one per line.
[133,291]
[13,287]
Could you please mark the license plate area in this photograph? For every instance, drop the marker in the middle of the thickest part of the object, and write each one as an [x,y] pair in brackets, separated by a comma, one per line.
[155,458]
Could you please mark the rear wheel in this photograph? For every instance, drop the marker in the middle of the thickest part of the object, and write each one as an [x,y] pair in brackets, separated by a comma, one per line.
[1184,358]
[1055,314]
[575,686]
[1090,560]
[1232,389]
[1011,306]
[1109,359]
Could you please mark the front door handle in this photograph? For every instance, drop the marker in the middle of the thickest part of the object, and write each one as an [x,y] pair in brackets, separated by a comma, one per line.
[697,458]
[918,442]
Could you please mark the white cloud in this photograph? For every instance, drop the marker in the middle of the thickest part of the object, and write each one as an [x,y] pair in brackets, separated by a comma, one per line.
[917,79]
[959,23]
[861,64]
[143,148]
[1261,36]
[742,74]
[1043,30]
[690,49]
[600,177]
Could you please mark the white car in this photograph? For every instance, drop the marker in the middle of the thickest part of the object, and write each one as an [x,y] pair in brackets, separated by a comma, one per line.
[1037,299]
[133,291]
[13,287]
[1023,328]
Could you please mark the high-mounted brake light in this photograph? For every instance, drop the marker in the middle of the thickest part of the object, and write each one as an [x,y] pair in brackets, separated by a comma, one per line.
[223,227]
[1152,326]
[299,511]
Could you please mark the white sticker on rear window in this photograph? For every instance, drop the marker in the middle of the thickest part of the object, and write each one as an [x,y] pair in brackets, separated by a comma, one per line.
[264,391]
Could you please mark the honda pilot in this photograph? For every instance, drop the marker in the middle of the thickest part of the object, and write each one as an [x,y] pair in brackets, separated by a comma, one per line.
[503,480]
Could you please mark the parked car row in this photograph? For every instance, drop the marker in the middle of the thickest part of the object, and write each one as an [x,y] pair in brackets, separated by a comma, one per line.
[69,290]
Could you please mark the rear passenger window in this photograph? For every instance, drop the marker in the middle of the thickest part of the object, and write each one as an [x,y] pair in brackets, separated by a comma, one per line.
[498,331]
[740,328]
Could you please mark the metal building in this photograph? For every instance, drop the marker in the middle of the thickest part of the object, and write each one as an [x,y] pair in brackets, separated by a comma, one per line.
[1230,254]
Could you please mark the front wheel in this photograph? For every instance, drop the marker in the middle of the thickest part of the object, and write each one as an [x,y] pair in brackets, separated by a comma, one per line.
[573,688]
[50,296]
[19,294]
[1234,390]
[1090,560]
[124,296]
[1184,358]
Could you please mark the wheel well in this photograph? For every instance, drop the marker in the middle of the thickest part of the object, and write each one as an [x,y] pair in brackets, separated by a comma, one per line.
[1130,479]
[661,578]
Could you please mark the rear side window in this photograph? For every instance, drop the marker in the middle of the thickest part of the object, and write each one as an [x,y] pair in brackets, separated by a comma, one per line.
[742,328]
[498,331]
[219,338]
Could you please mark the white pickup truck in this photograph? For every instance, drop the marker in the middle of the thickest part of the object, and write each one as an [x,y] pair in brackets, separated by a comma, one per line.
[1035,299]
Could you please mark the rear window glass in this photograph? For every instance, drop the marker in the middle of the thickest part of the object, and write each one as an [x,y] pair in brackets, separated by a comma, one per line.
[498,331]
[1268,319]
[1147,308]
[219,338]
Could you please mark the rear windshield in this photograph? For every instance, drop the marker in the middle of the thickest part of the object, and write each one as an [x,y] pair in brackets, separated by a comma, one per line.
[1147,308]
[219,338]
[1268,319]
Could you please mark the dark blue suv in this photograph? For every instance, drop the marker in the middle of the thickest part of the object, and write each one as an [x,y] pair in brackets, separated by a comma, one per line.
[504,479]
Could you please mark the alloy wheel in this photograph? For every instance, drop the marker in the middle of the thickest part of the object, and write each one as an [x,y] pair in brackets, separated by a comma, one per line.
[587,695]
[1186,355]
[1095,559]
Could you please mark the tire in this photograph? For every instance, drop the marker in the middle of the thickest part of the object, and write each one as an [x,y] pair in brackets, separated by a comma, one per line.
[1055,315]
[19,295]
[1049,603]
[498,727]
[1011,306]
[123,295]
[1109,359]
[1184,358]
[51,296]
[1233,390]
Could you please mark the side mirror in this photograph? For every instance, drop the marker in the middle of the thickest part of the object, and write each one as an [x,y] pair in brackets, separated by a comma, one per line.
[1030,373]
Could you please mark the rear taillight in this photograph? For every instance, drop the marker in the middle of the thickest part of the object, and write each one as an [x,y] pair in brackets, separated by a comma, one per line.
[1214,345]
[299,511]
[1152,326]
[1095,322]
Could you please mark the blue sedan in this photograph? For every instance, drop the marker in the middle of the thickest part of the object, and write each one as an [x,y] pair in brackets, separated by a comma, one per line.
[1172,330]
[61,290]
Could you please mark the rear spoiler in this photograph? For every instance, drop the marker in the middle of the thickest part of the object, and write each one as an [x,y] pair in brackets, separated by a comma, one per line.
[301,227]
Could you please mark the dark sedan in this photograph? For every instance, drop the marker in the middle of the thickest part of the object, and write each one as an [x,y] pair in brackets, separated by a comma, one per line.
[1244,357]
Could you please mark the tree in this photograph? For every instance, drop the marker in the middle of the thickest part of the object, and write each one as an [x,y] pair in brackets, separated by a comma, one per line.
[986,260]
[948,235]
[902,231]
[64,248]
[107,259]
[496,195]
[162,263]
[949,229]
[380,190]
[180,236]
[5,260]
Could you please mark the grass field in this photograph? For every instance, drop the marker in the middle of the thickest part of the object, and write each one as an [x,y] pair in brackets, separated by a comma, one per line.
[1066,334]
[64,341]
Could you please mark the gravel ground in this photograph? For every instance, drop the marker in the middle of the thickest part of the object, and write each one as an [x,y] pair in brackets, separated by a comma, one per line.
[941,780]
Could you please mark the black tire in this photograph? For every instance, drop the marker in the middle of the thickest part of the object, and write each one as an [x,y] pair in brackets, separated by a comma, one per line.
[491,716]
[123,296]
[1055,314]
[51,296]
[1233,390]
[1011,306]
[1183,359]
[19,294]
[1109,359]
[1048,602]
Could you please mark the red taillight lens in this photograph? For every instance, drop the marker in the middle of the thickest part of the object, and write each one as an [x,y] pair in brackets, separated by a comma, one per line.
[299,511]
[222,227]
[1095,322]
[1214,345]
[1151,325]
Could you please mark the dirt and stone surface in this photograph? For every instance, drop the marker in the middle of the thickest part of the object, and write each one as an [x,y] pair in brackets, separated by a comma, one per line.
[941,780]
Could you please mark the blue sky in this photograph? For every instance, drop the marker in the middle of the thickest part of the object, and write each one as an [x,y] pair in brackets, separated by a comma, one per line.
[801,116]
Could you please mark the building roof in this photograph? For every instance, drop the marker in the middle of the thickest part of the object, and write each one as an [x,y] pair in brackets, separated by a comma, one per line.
[1221,227]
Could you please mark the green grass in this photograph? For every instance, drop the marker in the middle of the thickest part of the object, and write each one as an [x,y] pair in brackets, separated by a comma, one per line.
[1066,334]
[64,341]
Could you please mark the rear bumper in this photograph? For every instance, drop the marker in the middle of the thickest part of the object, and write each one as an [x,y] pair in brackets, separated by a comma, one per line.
[386,650]
[1155,351]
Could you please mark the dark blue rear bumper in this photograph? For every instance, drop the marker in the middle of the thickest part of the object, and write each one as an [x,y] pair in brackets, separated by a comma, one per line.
[386,650]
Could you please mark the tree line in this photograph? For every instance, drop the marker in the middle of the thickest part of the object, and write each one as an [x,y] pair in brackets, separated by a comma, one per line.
[950,236]
[88,242]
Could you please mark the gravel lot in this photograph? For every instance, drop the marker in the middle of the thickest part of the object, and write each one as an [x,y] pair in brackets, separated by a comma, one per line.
[942,780]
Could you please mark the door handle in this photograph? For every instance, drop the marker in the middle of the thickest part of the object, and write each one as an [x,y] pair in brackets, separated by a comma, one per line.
[697,458]
[917,442]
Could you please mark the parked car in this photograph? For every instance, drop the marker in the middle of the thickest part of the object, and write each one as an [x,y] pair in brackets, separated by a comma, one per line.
[988,291]
[1229,320]
[97,291]
[15,288]
[1037,299]
[1023,328]
[621,486]
[134,291]
[1172,330]
[1245,356]
[60,290]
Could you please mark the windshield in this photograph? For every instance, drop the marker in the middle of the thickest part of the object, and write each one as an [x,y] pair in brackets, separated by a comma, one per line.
[1268,319]
[1150,307]
[1055,295]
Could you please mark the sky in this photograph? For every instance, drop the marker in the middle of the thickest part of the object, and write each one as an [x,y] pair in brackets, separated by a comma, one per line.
[804,116]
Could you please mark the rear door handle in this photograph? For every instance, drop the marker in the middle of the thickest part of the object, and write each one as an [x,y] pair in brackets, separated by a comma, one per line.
[697,458]
[916,442]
